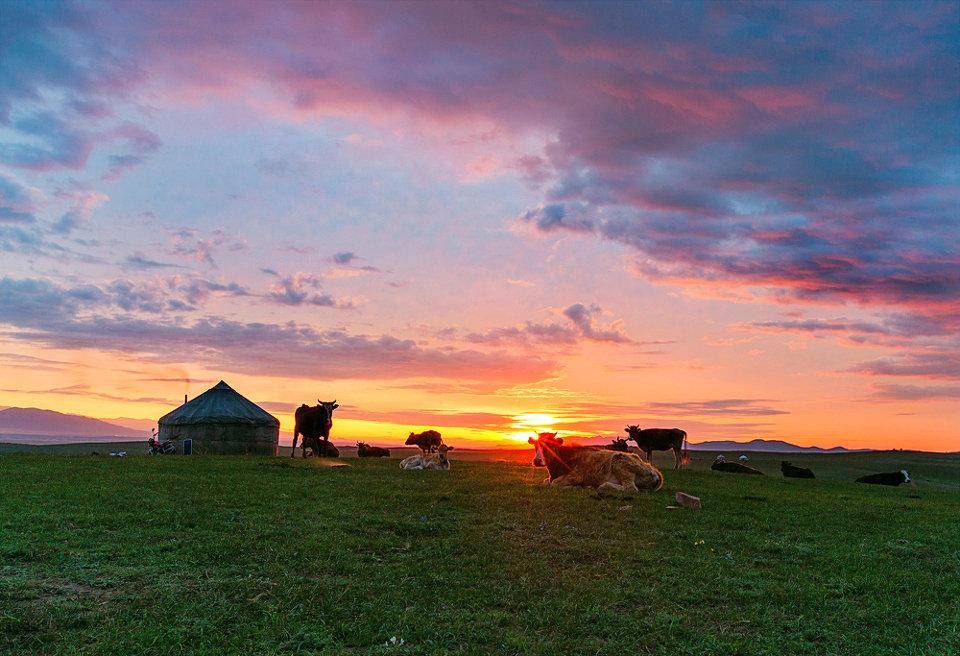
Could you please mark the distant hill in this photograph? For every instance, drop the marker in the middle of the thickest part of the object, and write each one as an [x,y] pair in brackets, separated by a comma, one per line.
[34,421]
[774,446]
[134,423]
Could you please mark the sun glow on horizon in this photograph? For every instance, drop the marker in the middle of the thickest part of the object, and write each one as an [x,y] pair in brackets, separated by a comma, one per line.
[530,423]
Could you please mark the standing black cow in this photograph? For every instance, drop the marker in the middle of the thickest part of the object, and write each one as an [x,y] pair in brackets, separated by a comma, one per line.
[792,471]
[314,423]
[428,441]
[660,439]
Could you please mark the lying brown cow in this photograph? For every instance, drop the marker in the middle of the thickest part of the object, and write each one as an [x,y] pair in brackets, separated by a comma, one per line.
[607,471]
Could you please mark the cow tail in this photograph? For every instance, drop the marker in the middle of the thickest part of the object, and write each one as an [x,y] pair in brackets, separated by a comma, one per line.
[685,459]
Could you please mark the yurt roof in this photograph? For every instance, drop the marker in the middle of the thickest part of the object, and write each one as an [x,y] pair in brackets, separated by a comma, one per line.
[220,404]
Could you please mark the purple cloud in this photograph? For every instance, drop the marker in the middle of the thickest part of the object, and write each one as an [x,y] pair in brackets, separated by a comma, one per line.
[719,407]
[17,202]
[296,290]
[583,316]
[581,328]
[897,392]
[85,202]
[41,312]
[344,257]
[765,147]
[934,363]
[140,261]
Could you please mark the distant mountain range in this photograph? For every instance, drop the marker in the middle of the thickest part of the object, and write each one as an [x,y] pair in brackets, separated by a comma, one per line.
[774,446]
[34,421]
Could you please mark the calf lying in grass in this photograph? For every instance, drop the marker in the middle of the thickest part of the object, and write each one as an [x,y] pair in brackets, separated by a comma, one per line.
[792,471]
[886,478]
[437,460]
[606,471]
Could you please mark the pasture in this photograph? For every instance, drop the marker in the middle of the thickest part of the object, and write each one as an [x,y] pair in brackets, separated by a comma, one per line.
[236,555]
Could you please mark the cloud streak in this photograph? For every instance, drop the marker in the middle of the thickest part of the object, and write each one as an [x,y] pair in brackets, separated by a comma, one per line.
[42,313]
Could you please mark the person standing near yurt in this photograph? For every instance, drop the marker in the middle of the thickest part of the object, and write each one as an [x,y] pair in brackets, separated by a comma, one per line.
[222,421]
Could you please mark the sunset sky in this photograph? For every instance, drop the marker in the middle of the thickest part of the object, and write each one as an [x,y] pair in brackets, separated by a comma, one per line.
[491,218]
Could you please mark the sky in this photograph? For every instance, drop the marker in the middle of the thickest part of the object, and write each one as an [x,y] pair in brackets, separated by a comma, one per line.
[488,218]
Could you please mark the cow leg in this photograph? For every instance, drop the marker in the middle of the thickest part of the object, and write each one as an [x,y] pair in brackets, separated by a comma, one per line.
[676,457]
[649,455]
[293,449]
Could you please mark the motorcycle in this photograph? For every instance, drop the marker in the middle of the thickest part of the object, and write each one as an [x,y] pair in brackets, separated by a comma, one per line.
[156,447]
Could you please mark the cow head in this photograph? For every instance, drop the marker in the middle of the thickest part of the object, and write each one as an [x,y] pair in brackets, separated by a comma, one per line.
[329,407]
[633,433]
[411,439]
[442,452]
[540,442]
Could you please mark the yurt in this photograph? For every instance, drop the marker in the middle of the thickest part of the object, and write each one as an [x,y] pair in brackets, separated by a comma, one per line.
[222,421]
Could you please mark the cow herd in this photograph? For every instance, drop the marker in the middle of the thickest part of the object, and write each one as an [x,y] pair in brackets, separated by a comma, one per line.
[792,471]
[611,469]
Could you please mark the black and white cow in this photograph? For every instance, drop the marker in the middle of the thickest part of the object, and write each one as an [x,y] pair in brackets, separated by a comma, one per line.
[886,478]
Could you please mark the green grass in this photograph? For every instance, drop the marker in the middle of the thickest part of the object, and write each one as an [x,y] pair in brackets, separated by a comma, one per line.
[263,556]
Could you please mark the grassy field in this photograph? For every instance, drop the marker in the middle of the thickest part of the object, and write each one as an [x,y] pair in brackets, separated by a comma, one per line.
[251,556]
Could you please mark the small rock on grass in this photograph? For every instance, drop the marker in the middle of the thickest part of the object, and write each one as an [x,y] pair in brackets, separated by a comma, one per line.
[688,501]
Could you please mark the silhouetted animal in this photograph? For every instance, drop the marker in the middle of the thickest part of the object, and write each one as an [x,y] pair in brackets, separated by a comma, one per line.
[886,478]
[364,450]
[607,471]
[437,460]
[721,464]
[326,449]
[428,440]
[314,423]
[791,471]
[660,439]
[619,444]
